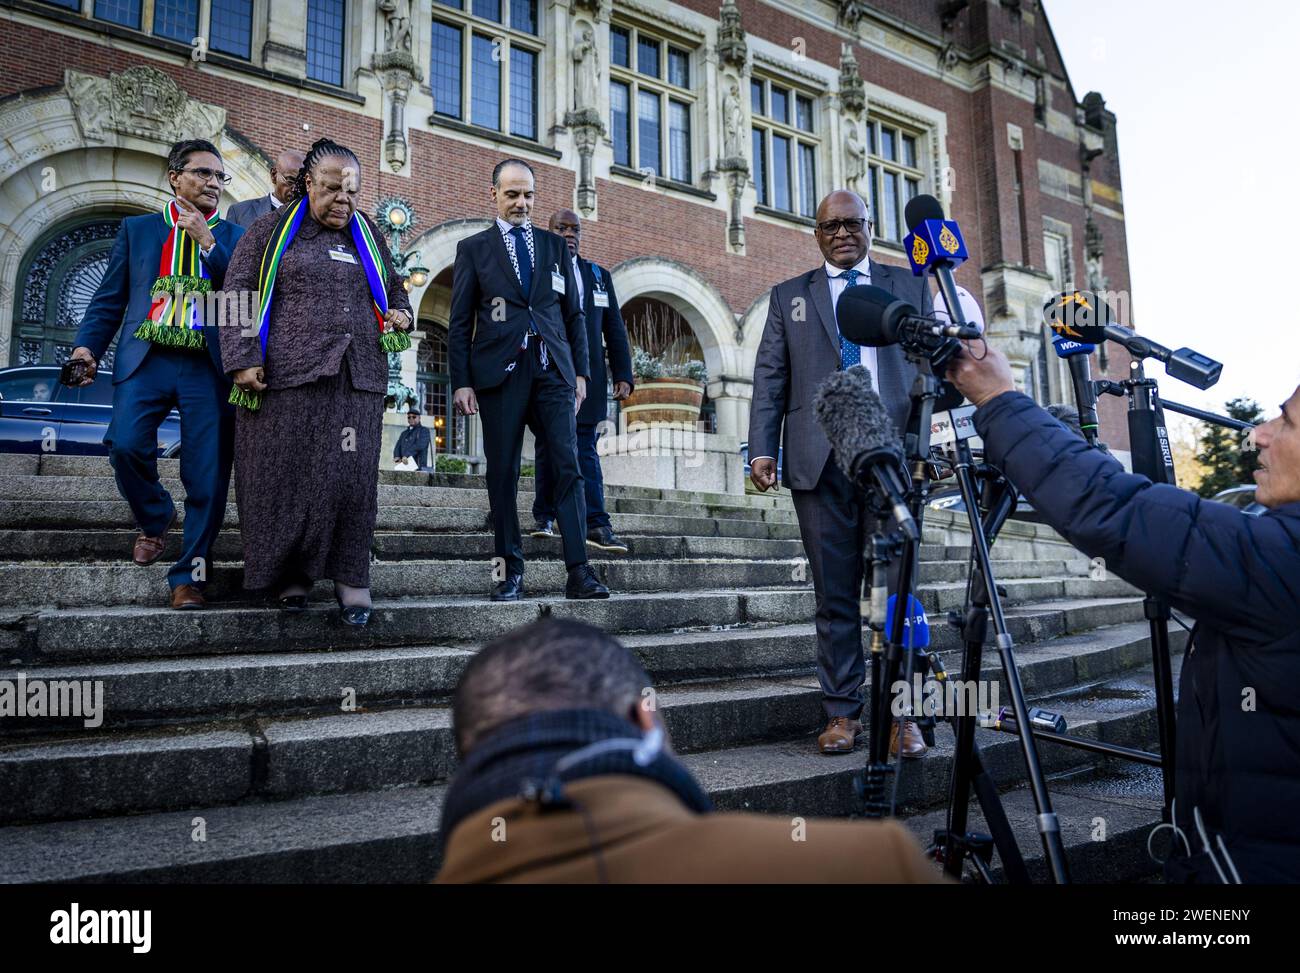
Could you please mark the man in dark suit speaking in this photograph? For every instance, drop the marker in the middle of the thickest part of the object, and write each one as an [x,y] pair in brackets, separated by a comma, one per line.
[801,346]
[517,345]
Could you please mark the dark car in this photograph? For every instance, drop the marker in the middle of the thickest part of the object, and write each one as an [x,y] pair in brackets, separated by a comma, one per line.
[949,498]
[38,415]
[1241,497]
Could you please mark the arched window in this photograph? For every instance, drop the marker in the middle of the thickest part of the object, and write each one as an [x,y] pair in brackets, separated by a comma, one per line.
[58,279]
[433,389]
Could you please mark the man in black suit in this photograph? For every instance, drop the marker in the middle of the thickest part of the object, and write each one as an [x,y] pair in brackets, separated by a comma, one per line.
[800,347]
[283,174]
[517,345]
[414,442]
[605,329]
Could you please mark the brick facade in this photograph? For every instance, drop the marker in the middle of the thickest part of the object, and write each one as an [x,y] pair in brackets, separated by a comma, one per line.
[992,70]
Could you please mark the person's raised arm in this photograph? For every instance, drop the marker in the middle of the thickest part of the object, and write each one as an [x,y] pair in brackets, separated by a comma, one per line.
[1208,559]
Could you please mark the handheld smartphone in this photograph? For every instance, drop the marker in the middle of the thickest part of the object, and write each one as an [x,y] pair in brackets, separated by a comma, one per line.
[73,372]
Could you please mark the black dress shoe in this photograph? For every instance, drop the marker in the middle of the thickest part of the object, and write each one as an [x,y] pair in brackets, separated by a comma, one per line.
[603,538]
[543,528]
[583,583]
[293,604]
[511,589]
[358,616]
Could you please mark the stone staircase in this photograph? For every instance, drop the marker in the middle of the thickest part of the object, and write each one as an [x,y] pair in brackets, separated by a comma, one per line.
[304,751]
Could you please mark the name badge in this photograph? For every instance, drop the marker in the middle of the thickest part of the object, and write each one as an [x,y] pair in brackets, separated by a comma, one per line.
[600,298]
[342,256]
[557,281]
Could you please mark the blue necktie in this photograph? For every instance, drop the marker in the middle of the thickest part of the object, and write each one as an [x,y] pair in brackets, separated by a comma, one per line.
[524,260]
[850,354]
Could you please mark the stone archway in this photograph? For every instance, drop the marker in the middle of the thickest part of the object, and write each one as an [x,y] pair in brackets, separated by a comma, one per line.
[97,146]
[431,303]
[700,303]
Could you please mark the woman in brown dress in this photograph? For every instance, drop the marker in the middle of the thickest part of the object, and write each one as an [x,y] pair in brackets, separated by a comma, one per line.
[311,376]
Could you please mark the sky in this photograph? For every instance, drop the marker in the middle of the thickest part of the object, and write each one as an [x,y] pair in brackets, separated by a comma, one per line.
[1209,146]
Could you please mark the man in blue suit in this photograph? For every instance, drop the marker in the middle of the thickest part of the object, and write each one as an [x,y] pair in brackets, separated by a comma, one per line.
[169,357]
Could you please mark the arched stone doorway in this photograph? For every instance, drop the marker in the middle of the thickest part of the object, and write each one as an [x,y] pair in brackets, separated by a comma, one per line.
[433,373]
[711,320]
[59,278]
[655,324]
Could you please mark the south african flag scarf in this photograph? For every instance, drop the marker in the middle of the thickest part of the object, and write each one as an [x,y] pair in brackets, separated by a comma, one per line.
[175,317]
[372,262]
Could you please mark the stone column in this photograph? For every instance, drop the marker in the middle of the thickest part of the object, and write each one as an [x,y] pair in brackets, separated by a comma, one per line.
[285,50]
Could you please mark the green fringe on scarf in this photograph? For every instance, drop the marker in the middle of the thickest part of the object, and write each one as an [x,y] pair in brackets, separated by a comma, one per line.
[394,341]
[171,336]
[185,283]
[252,401]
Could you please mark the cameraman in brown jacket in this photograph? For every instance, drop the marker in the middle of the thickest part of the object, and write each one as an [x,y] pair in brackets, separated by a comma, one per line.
[567,777]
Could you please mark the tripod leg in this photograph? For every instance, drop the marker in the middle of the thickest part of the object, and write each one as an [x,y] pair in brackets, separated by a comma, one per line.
[1048,824]
[963,767]
[1157,612]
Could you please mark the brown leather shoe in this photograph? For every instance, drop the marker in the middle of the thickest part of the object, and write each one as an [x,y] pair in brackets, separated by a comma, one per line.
[913,743]
[149,549]
[186,597]
[840,735]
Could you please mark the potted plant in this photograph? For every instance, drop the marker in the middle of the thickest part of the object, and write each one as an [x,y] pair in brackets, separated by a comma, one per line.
[669,377]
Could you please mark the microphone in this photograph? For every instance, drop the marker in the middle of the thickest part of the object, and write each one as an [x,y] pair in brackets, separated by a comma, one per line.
[1077,356]
[872,316]
[867,449]
[1084,317]
[935,246]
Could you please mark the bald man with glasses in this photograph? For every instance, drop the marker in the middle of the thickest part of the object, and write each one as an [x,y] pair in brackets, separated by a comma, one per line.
[801,346]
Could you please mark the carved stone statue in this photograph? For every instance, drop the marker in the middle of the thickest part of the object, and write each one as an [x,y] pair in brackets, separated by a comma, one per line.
[586,59]
[855,155]
[397,25]
[733,123]
[851,12]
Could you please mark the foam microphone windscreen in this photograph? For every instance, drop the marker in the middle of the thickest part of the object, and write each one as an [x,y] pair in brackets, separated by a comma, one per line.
[869,315]
[922,208]
[854,419]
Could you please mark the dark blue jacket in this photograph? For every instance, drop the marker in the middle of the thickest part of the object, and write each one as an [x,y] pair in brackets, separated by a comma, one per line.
[605,330]
[124,293]
[1238,576]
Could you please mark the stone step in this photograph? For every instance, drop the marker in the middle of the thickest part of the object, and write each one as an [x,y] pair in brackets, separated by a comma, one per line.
[96,467]
[99,771]
[1105,814]
[101,514]
[66,489]
[114,546]
[392,834]
[31,635]
[242,686]
[118,583]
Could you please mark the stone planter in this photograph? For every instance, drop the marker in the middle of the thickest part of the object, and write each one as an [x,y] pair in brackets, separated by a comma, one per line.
[664,402]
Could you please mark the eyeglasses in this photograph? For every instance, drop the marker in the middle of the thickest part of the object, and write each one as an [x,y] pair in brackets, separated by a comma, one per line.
[208,174]
[832,227]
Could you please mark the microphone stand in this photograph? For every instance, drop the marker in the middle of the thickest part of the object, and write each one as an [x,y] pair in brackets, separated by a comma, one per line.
[1049,826]
[1152,458]
[889,637]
